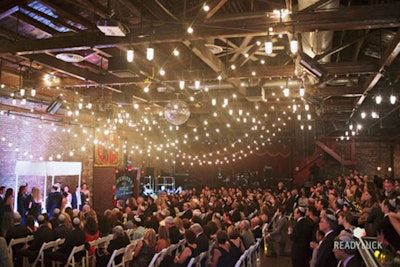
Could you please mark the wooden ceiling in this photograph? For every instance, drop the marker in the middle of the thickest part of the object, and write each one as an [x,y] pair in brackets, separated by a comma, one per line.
[355,43]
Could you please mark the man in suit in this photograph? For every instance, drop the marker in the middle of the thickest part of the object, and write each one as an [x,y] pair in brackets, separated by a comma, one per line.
[246,234]
[78,199]
[42,234]
[325,255]
[174,234]
[301,236]
[202,240]
[53,201]
[187,212]
[17,230]
[255,227]
[279,234]
[61,231]
[75,238]
[345,251]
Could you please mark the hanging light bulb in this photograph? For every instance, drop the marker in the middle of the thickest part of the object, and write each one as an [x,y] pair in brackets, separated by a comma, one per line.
[378,99]
[302,91]
[268,46]
[181,84]
[393,99]
[286,92]
[150,53]
[130,54]
[294,46]
[197,84]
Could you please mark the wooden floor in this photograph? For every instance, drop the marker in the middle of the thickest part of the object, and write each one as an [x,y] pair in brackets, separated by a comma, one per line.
[277,261]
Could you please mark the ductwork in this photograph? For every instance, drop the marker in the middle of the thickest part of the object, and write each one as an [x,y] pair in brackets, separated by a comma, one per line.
[316,43]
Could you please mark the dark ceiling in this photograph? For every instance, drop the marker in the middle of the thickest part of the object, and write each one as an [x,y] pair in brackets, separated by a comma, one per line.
[353,44]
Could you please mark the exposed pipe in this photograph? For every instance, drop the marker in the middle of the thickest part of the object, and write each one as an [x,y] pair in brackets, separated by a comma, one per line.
[316,43]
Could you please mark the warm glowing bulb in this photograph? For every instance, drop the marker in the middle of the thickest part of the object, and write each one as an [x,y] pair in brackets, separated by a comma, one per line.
[162,72]
[294,46]
[176,52]
[146,89]
[182,84]
[190,29]
[268,46]
[130,54]
[206,8]
[150,53]
[302,92]
[197,84]
[393,99]
[286,92]
[378,99]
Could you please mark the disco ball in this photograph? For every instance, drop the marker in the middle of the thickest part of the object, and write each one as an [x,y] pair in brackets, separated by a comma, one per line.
[177,112]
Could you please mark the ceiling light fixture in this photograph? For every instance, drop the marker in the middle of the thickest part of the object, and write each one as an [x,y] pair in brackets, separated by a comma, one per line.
[268,45]
[378,99]
[150,53]
[393,99]
[130,54]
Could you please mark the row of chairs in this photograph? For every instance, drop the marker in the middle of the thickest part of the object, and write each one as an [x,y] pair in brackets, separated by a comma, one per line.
[251,257]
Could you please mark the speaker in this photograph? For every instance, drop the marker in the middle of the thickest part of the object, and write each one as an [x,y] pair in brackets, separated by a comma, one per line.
[55,105]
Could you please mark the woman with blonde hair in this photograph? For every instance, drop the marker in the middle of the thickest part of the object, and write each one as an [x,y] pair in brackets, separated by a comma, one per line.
[145,249]
[163,239]
[35,205]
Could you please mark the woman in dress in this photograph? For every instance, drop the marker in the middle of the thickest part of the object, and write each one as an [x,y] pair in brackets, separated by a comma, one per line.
[236,244]
[188,252]
[86,193]
[68,197]
[35,205]
[145,249]
[163,239]
[221,256]
[8,215]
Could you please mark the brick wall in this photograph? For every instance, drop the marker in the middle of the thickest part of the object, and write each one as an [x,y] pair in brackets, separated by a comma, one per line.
[26,139]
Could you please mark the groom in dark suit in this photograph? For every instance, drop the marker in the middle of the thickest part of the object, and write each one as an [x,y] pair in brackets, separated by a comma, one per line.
[301,237]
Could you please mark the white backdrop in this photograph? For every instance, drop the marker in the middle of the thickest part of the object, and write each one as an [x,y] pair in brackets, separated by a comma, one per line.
[46,169]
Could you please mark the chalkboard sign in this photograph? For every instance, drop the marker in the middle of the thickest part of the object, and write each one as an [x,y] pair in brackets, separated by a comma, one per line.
[124,187]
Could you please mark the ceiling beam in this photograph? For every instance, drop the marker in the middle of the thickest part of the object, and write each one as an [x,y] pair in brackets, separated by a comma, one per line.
[158,10]
[166,33]
[35,23]
[63,13]
[388,57]
[56,21]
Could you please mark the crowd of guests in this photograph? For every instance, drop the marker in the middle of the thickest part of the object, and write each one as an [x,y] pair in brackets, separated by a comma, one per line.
[229,219]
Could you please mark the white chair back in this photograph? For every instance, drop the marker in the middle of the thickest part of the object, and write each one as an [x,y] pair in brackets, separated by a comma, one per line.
[71,258]
[114,255]
[40,257]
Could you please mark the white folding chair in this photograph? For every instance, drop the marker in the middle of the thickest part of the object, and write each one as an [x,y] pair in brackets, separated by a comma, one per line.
[114,255]
[71,258]
[158,257]
[14,242]
[40,257]
[196,261]
[241,261]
